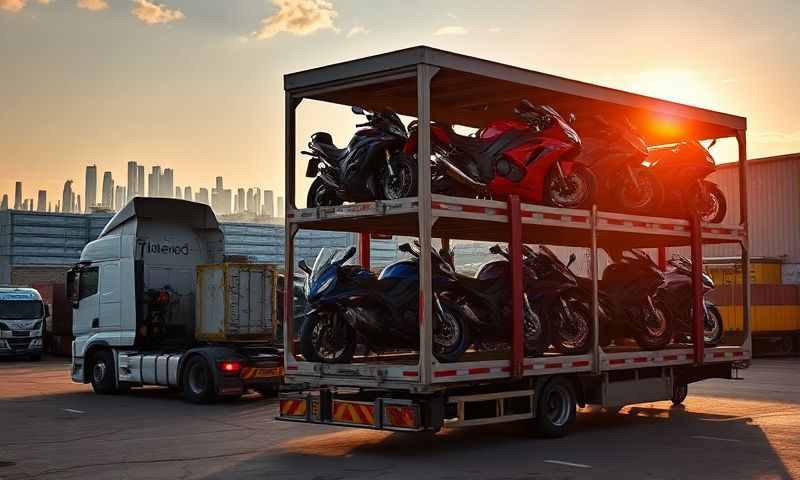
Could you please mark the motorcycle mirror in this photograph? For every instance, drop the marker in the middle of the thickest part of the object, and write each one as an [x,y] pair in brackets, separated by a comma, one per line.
[405,247]
[572,259]
[348,255]
[357,110]
[495,249]
[304,266]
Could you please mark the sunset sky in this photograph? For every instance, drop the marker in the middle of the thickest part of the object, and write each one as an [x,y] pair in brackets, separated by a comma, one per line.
[196,85]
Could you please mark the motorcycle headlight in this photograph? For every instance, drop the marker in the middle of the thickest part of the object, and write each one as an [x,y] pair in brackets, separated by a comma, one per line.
[324,286]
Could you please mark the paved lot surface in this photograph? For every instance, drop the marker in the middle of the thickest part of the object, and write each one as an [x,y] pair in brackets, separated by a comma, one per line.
[52,429]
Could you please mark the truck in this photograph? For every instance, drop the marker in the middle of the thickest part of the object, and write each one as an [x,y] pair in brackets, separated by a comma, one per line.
[22,318]
[155,303]
[414,392]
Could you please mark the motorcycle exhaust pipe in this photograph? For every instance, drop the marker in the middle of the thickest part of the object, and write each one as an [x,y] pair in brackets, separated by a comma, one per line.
[460,176]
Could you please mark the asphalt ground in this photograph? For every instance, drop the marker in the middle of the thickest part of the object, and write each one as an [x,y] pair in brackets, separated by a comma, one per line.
[53,429]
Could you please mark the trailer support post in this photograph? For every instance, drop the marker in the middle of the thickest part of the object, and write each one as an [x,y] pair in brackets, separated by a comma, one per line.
[425,74]
[662,258]
[290,105]
[741,139]
[595,273]
[698,307]
[517,285]
[364,249]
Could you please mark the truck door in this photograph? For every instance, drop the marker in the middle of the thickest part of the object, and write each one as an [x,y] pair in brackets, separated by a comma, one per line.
[109,291]
[86,306]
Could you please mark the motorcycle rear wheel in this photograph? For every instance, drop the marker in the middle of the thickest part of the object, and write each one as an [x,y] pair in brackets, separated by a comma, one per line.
[320,194]
[450,334]
[711,207]
[578,192]
[320,342]
[402,181]
[571,331]
[653,332]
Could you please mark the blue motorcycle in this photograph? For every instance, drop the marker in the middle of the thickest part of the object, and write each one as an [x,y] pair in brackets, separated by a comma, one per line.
[351,305]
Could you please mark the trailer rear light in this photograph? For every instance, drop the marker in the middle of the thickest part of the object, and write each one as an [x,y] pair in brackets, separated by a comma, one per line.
[230,367]
[401,416]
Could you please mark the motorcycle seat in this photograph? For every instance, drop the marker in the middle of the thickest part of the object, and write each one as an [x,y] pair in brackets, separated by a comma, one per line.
[322,142]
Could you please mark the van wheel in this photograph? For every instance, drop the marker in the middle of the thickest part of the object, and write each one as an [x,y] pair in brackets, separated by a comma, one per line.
[555,408]
[198,381]
[103,373]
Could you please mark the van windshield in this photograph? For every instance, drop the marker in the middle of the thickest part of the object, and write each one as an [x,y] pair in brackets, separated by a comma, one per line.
[20,309]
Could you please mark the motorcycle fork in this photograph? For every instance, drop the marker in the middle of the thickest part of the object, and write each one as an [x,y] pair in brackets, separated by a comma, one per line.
[561,177]
[389,163]
[632,176]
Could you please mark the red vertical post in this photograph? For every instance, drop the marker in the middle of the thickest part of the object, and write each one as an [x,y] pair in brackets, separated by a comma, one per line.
[697,290]
[363,249]
[662,258]
[517,286]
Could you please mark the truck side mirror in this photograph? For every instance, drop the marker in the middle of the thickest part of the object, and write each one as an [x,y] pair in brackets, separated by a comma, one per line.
[72,287]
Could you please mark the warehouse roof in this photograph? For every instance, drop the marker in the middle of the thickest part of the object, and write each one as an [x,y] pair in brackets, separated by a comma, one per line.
[472,91]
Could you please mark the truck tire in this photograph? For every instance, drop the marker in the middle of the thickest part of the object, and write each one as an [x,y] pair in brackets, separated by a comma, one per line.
[103,373]
[556,408]
[267,391]
[198,381]
[679,393]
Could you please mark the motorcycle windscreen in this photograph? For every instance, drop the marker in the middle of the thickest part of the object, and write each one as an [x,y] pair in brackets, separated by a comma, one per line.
[325,258]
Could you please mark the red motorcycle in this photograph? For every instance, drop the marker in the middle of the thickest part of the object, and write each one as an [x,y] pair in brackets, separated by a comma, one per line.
[532,157]
[682,169]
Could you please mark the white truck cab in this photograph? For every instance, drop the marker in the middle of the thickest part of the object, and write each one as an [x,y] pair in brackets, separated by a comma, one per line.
[134,294]
[22,318]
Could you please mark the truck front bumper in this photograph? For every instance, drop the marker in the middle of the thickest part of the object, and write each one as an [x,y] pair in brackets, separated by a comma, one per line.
[17,348]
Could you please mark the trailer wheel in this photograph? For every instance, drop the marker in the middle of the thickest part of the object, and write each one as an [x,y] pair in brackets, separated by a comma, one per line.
[679,392]
[555,408]
[102,373]
[198,381]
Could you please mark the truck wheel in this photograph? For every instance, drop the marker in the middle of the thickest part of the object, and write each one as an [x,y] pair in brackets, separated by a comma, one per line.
[555,408]
[267,391]
[198,381]
[103,373]
[679,392]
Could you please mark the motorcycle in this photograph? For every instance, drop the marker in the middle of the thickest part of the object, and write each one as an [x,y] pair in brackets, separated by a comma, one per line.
[555,293]
[372,167]
[532,156]
[630,306]
[613,152]
[485,302]
[676,296]
[349,305]
[682,169]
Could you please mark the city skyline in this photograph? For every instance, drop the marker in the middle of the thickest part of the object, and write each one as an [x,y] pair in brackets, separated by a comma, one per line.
[161,183]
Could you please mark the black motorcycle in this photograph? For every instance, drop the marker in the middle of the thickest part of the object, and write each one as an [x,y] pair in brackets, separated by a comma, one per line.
[676,295]
[372,167]
[555,294]
[351,305]
[629,302]
[486,301]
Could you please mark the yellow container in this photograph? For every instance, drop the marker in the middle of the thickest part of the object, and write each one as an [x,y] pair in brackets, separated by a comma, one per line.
[760,273]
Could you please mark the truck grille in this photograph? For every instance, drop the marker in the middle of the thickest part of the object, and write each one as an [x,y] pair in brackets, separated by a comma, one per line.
[18,343]
[20,333]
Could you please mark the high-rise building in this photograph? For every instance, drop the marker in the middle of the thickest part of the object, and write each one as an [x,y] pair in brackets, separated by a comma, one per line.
[90,194]
[202,196]
[250,201]
[257,201]
[240,200]
[120,197]
[220,198]
[140,178]
[133,180]
[67,197]
[279,213]
[41,202]
[187,194]
[165,186]
[226,201]
[154,182]
[76,207]
[17,195]
[58,206]
[269,208]
[107,195]
[50,206]
[178,193]
[4,203]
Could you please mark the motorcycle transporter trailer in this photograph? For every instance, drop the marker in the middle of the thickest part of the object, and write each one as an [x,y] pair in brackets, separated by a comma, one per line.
[415,392]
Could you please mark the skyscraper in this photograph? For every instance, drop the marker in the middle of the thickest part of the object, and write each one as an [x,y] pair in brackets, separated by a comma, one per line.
[220,200]
[76,207]
[269,208]
[257,202]
[67,197]
[107,193]
[4,203]
[226,201]
[17,195]
[154,182]
[120,197]
[165,186]
[133,180]
[279,213]
[250,201]
[41,202]
[240,200]
[187,194]
[90,194]
[202,196]
[140,181]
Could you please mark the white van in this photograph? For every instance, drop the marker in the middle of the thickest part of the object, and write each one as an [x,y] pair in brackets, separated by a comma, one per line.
[22,318]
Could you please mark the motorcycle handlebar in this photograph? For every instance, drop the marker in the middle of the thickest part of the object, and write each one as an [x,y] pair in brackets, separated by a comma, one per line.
[366,124]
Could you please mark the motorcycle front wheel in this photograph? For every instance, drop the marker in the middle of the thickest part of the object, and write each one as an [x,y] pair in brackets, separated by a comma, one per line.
[320,194]
[327,338]
[712,326]
[450,332]
[709,204]
[572,327]
[653,330]
[644,196]
[576,190]
[399,181]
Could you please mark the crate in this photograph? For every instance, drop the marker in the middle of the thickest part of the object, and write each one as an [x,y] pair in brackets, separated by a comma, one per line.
[235,301]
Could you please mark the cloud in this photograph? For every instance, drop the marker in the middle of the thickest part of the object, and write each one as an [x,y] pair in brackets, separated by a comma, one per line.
[13,6]
[155,13]
[357,30]
[298,17]
[93,5]
[451,30]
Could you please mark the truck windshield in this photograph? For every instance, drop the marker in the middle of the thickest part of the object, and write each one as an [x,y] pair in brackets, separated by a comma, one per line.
[20,309]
